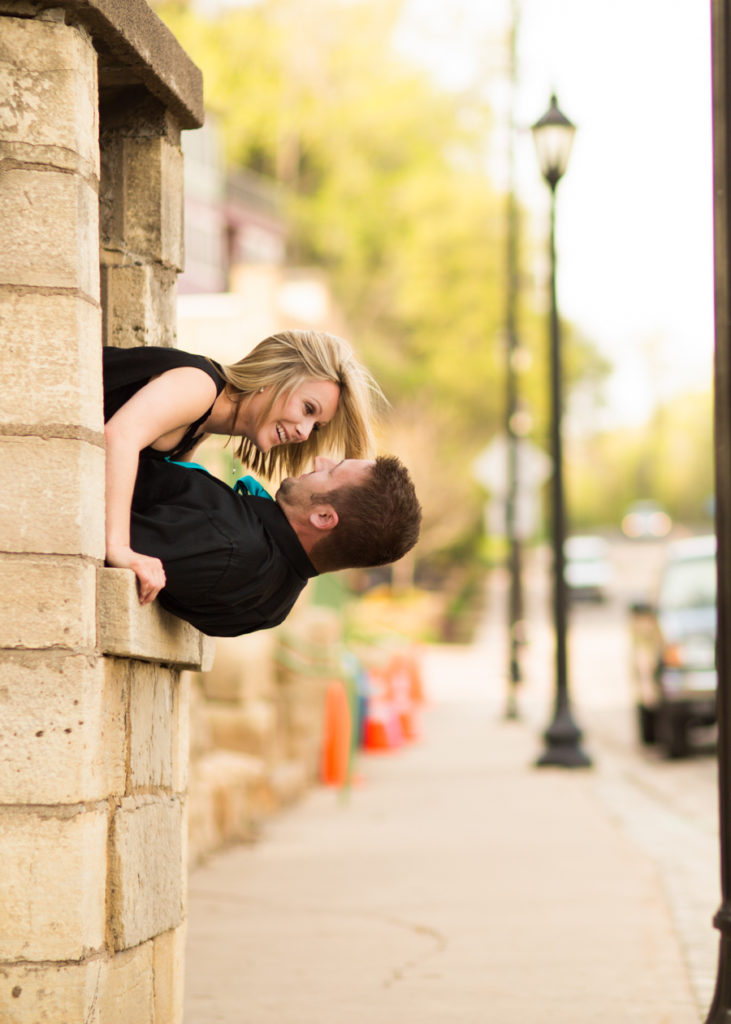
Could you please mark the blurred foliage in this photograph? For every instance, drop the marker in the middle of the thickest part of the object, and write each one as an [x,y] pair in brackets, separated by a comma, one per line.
[669,459]
[387,190]
[385,615]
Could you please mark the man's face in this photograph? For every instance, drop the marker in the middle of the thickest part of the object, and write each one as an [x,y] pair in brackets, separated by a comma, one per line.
[296,492]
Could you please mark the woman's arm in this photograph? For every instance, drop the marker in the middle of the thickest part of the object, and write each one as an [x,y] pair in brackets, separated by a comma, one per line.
[157,414]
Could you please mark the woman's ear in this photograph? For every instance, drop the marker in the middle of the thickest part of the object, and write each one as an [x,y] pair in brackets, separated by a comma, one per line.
[324,518]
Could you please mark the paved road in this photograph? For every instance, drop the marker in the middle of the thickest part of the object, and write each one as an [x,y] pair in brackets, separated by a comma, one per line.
[669,807]
[650,885]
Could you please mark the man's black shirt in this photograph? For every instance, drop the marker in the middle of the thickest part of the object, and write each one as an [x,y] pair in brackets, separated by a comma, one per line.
[233,563]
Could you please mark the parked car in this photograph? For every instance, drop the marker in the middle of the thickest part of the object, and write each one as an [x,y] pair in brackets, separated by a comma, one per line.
[587,571]
[674,640]
[645,520]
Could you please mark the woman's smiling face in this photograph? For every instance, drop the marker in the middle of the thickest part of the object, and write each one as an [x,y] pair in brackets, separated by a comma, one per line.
[293,416]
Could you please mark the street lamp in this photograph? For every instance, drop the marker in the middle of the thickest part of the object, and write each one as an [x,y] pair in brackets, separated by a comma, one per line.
[553,136]
[515,596]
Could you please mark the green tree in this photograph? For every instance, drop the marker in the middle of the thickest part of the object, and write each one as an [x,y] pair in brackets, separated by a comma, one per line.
[387,190]
[668,459]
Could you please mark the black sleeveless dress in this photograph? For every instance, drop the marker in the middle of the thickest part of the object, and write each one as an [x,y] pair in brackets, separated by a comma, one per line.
[126,370]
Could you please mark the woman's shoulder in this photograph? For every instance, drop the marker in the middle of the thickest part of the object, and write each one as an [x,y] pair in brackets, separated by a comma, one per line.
[127,365]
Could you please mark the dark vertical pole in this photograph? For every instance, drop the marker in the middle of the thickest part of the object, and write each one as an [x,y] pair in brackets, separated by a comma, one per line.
[563,735]
[557,493]
[515,598]
[720,1011]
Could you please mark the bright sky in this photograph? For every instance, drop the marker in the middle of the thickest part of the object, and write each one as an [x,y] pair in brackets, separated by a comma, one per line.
[634,214]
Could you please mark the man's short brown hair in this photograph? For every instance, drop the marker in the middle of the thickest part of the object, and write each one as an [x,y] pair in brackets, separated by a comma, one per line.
[378,520]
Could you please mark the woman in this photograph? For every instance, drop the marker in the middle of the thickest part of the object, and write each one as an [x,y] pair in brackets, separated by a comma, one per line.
[295,395]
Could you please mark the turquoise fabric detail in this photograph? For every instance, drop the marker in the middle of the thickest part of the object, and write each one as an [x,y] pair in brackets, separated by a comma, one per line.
[248,485]
[188,465]
[244,485]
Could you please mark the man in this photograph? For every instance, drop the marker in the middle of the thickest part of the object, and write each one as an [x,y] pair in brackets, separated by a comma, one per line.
[235,563]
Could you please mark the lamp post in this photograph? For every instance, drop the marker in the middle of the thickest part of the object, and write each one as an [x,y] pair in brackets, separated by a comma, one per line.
[515,596]
[553,136]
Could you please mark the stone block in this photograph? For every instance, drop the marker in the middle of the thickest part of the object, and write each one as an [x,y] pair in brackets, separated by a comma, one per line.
[51,496]
[243,669]
[142,197]
[48,85]
[168,968]
[138,303]
[49,993]
[127,629]
[201,741]
[52,883]
[304,697]
[184,853]
[63,729]
[314,630]
[146,869]
[47,602]
[251,729]
[203,836]
[309,647]
[126,991]
[303,746]
[152,707]
[289,781]
[181,733]
[147,52]
[239,791]
[61,334]
[50,230]
[302,711]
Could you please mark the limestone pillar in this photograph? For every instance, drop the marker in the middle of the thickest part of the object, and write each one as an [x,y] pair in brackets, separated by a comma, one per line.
[141,204]
[93,719]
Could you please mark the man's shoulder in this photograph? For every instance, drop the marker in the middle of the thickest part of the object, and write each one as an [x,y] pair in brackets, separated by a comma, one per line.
[256,528]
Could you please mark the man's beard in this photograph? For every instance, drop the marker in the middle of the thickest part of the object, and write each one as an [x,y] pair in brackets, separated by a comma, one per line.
[285,488]
[288,493]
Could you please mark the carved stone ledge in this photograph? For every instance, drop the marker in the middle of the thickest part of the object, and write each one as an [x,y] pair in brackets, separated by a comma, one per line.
[126,629]
[135,49]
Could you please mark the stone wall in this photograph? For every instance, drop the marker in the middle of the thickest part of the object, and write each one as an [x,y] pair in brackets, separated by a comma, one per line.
[256,729]
[93,713]
[96,802]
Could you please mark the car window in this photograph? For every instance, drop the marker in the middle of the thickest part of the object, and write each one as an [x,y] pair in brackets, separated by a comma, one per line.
[690,583]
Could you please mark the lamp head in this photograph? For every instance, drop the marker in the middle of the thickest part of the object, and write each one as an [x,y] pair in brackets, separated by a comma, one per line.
[553,136]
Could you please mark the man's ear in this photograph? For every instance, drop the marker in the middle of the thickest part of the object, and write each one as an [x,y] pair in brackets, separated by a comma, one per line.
[324,518]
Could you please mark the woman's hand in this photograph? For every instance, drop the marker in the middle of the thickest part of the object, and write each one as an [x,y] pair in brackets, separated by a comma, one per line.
[149,571]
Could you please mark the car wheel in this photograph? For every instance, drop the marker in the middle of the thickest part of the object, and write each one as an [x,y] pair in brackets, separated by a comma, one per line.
[674,733]
[647,724]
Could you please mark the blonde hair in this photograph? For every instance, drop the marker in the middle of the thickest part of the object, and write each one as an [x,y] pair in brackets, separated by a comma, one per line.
[282,362]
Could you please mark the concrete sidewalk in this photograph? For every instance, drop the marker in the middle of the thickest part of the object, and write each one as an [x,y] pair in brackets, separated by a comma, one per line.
[455,884]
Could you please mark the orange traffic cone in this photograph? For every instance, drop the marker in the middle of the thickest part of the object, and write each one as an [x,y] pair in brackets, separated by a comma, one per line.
[336,745]
[417,682]
[408,662]
[382,726]
[400,685]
